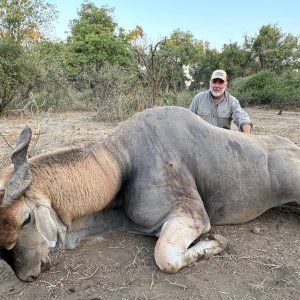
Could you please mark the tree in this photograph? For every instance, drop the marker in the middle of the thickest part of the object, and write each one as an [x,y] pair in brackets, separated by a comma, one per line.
[94,40]
[92,20]
[149,66]
[181,49]
[273,50]
[16,69]
[23,20]
[235,60]
[160,65]
[184,47]
[210,61]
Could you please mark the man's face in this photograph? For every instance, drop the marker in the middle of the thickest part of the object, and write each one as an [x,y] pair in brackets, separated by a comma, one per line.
[218,87]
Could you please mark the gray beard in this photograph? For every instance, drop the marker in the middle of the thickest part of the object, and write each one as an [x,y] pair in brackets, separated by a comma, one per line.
[217,94]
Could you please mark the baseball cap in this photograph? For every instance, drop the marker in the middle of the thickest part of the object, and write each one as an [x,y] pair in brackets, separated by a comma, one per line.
[221,74]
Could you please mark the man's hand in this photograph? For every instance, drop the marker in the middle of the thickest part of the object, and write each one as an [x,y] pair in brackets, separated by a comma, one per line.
[247,128]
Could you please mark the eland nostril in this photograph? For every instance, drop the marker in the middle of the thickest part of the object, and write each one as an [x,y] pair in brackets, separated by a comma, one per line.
[45,266]
[27,277]
[31,278]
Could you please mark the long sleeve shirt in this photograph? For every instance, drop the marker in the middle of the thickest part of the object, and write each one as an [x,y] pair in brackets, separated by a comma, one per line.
[222,113]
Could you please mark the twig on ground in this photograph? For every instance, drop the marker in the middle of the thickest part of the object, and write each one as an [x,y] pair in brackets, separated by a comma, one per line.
[152,280]
[89,275]
[177,284]
[6,141]
[261,285]
[134,262]
[20,290]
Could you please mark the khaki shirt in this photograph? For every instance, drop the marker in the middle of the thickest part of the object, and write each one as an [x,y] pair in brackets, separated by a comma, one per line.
[222,113]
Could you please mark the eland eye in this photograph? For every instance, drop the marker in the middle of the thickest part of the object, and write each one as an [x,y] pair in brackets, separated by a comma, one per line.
[27,220]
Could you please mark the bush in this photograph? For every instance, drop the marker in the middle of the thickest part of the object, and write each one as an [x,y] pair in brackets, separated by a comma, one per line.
[266,88]
[288,95]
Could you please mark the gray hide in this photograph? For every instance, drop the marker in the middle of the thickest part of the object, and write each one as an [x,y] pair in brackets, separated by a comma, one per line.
[176,156]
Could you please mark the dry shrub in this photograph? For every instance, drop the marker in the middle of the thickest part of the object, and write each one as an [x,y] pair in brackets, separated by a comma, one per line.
[121,107]
[117,93]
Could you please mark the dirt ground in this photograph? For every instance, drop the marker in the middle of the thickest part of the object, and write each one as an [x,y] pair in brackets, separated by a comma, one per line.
[262,261]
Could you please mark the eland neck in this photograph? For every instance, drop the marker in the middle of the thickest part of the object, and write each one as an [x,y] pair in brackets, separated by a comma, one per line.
[77,181]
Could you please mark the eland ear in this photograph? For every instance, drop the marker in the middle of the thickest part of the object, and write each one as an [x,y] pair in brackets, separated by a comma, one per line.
[45,225]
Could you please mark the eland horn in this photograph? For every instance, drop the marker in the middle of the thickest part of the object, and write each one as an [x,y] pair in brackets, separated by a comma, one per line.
[22,177]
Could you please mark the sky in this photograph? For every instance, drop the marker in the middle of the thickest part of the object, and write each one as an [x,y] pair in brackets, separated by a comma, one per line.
[217,22]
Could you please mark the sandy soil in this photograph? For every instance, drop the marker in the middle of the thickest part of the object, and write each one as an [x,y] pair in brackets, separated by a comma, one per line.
[262,264]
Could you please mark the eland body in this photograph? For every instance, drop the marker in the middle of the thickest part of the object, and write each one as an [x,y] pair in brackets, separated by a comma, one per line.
[164,172]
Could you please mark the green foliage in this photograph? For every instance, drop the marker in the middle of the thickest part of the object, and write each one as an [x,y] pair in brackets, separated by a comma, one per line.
[95,50]
[202,72]
[160,65]
[92,21]
[273,50]
[21,20]
[270,50]
[178,50]
[93,41]
[16,70]
[235,60]
[47,80]
[267,88]
[185,49]
[288,94]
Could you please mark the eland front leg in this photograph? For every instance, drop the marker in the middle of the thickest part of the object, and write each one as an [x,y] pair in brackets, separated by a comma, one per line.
[172,250]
